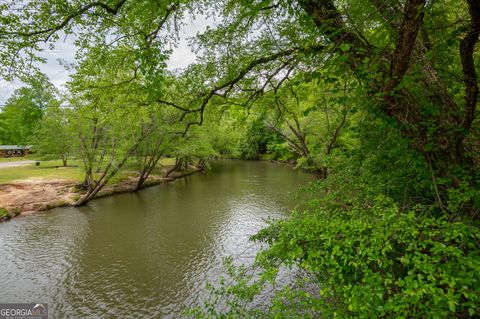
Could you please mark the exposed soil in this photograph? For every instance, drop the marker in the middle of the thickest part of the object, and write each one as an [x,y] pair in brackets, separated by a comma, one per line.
[35,194]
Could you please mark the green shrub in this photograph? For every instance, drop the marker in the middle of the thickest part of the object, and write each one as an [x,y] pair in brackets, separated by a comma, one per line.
[377,262]
[4,214]
[279,151]
[361,262]
[256,140]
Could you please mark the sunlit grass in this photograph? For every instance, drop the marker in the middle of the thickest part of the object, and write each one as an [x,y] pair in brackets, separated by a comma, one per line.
[46,170]
[54,170]
[17,159]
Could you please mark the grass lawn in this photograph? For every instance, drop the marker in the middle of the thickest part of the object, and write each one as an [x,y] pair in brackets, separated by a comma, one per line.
[47,170]
[54,170]
[17,159]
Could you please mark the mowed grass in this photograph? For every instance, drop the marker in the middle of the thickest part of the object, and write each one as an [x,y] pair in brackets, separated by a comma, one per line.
[30,157]
[54,170]
[46,170]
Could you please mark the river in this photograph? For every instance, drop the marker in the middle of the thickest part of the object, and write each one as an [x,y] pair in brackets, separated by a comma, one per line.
[146,254]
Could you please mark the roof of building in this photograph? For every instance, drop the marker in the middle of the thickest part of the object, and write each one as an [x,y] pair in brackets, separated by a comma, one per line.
[14,147]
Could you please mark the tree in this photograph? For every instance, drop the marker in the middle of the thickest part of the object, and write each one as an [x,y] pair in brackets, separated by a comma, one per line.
[109,136]
[438,133]
[110,114]
[393,56]
[24,109]
[156,145]
[379,45]
[310,116]
[54,136]
[393,228]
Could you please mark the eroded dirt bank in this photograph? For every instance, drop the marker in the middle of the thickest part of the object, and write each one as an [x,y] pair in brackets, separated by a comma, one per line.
[36,194]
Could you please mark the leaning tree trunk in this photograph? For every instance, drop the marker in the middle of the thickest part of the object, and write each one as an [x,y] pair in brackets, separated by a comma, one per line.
[147,170]
[172,169]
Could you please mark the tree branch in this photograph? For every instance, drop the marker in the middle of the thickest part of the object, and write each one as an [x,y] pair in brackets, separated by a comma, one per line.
[243,72]
[109,9]
[272,6]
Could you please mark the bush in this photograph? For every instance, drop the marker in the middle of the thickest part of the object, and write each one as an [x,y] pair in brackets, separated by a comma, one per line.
[361,262]
[279,151]
[256,140]
[378,262]
[4,214]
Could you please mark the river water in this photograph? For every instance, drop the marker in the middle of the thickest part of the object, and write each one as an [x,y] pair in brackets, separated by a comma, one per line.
[145,254]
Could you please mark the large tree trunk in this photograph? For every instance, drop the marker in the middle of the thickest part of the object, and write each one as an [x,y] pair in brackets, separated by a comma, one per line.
[438,135]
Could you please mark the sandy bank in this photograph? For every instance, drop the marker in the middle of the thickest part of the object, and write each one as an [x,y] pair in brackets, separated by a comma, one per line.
[36,194]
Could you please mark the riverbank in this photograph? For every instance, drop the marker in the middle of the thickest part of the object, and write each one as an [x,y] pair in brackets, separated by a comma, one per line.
[28,189]
[31,195]
[142,247]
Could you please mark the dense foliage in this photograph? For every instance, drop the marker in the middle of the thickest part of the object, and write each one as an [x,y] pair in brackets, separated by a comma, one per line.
[378,98]
[379,262]
[24,109]
[366,262]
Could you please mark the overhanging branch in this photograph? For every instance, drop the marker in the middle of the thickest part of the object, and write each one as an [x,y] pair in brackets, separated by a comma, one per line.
[109,9]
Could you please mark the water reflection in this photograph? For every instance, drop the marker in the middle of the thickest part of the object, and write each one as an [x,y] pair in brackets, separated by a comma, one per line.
[146,254]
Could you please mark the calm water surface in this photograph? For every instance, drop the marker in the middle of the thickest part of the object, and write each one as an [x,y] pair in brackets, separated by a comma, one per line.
[147,254]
